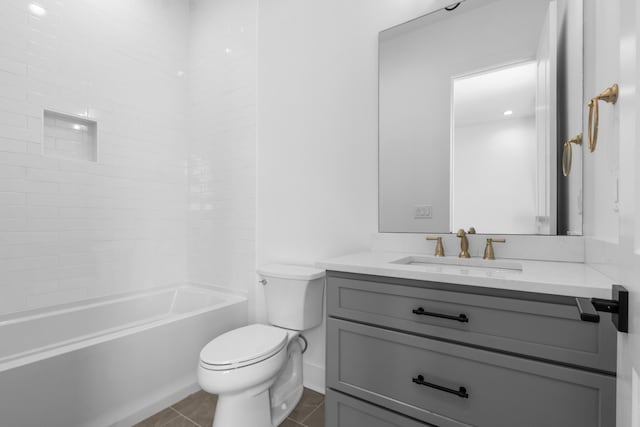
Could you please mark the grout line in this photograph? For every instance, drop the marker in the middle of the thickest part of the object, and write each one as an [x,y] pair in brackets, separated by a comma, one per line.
[176,413]
[175,410]
[190,420]
[184,416]
[311,413]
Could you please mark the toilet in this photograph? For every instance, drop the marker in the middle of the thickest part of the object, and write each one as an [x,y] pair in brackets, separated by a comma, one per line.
[256,370]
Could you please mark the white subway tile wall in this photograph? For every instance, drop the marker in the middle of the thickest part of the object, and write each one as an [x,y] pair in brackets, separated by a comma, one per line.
[222,181]
[73,229]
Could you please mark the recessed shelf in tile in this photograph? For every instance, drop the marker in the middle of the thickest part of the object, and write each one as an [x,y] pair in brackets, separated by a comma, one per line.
[69,137]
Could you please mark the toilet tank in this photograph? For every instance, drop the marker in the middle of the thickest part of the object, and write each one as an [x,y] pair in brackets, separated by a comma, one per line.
[294,295]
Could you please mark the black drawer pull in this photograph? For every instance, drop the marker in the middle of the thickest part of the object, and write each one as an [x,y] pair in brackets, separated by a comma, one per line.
[461,392]
[460,317]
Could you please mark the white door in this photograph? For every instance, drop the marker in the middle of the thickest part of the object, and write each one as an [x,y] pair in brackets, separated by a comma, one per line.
[628,387]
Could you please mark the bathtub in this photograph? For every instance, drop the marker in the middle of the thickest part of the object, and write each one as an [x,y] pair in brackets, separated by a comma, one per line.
[110,361]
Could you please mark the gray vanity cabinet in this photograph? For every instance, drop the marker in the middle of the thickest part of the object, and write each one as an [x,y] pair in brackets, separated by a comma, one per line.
[408,353]
[343,410]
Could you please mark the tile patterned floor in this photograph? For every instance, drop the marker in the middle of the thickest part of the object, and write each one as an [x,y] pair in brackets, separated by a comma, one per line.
[197,410]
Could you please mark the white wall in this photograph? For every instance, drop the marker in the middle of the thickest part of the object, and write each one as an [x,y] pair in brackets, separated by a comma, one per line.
[170,78]
[317,133]
[602,69]
[222,129]
[602,59]
[484,197]
[75,229]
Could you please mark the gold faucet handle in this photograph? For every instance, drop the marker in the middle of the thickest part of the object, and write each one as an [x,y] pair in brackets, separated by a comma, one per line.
[472,230]
[439,247]
[488,250]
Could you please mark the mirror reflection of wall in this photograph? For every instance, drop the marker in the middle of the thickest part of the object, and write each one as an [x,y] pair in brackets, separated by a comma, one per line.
[422,186]
[494,126]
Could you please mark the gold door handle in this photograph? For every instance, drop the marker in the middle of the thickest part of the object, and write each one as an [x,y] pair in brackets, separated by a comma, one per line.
[567,154]
[609,95]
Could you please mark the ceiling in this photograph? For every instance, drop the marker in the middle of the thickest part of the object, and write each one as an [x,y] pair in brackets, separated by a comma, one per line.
[485,96]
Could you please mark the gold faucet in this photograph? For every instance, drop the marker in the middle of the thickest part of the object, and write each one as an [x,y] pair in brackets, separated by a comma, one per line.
[439,247]
[464,244]
[488,250]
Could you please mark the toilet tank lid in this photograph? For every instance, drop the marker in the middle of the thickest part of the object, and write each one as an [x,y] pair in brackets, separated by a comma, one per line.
[286,271]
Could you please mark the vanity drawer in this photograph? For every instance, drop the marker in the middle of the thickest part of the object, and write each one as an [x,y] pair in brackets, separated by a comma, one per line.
[345,411]
[382,367]
[544,330]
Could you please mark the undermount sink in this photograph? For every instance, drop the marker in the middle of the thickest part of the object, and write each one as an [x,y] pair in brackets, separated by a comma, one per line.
[460,262]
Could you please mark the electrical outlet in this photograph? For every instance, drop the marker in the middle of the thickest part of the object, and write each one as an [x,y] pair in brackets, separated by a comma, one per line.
[423,211]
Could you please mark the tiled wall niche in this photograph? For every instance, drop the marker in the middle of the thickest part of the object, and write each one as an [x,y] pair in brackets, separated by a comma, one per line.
[69,137]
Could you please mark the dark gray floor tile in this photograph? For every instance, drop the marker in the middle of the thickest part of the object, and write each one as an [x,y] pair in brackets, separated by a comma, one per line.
[308,403]
[311,397]
[316,419]
[199,407]
[181,422]
[289,423]
[160,419]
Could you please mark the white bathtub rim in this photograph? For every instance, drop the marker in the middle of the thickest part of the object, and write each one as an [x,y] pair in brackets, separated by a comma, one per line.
[37,313]
[223,289]
[88,340]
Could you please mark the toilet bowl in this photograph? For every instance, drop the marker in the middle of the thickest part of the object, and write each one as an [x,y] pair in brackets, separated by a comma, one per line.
[256,370]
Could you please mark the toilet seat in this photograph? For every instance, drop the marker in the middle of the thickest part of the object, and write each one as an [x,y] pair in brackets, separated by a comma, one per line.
[243,346]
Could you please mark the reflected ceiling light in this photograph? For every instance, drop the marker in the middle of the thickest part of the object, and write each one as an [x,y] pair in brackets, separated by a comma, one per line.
[228,50]
[37,10]
[180,73]
[508,113]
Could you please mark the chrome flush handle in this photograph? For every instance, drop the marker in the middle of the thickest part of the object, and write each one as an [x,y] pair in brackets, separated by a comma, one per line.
[263,282]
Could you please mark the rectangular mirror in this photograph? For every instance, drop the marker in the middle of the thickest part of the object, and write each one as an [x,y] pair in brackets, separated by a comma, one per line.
[476,101]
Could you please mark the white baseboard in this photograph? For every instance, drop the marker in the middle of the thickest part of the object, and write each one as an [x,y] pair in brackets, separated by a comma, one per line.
[313,376]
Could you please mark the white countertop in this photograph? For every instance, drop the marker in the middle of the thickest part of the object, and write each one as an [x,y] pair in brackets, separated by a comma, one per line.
[554,278]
